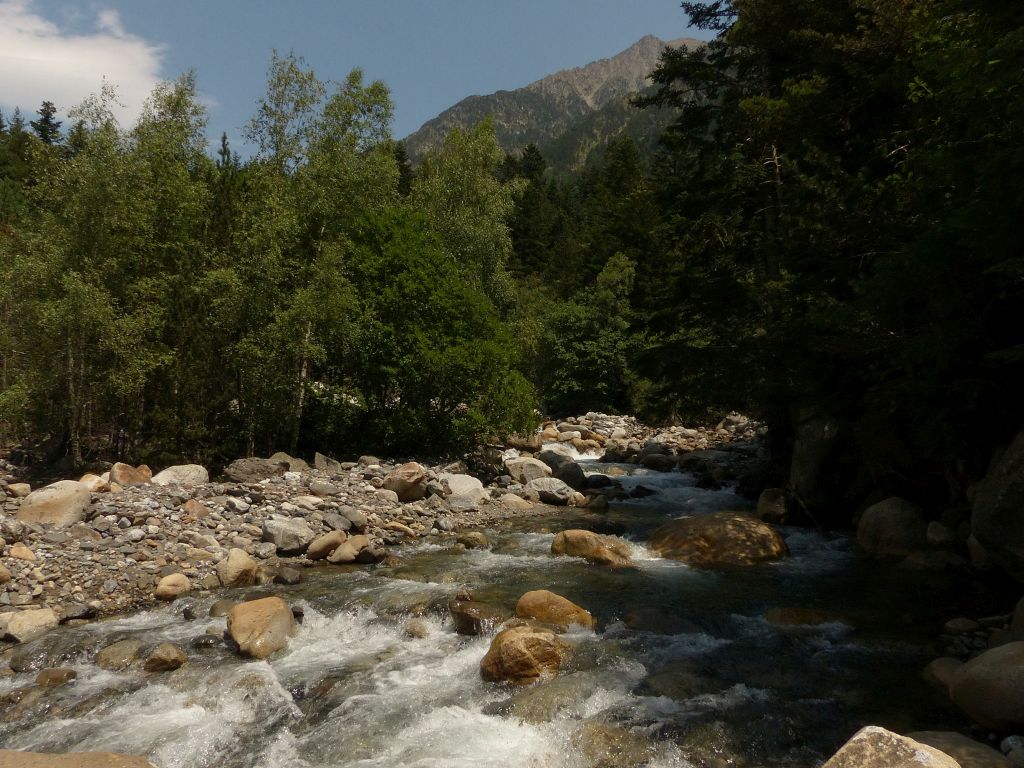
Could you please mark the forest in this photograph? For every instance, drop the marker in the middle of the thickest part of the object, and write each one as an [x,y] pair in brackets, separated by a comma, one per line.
[827,237]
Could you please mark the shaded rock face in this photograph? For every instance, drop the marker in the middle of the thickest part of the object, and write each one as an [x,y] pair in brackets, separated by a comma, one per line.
[811,476]
[593,547]
[996,519]
[13,759]
[59,505]
[989,688]
[550,608]
[472,617]
[252,470]
[565,469]
[260,627]
[719,538]
[892,527]
[522,655]
[875,747]
[551,490]
[408,481]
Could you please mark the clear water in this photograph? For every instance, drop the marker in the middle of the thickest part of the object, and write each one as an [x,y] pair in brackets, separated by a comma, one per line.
[684,669]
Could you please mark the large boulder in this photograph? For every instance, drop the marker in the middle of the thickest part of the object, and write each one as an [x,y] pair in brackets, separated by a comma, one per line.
[408,481]
[549,608]
[875,747]
[523,655]
[594,547]
[466,491]
[990,688]
[892,527]
[293,464]
[60,505]
[813,478]
[173,586]
[523,469]
[997,521]
[25,626]
[260,627]
[327,464]
[119,655]
[565,469]
[126,474]
[551,490]
[965,750]
[253,470]
[290,535]
[182,474]
[10,758]
[719,538]
[472,617]
[238,569]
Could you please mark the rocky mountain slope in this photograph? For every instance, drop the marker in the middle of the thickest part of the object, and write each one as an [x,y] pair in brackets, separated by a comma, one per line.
[568,114]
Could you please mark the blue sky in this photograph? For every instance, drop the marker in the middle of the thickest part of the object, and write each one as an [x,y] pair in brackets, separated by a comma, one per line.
[431,54]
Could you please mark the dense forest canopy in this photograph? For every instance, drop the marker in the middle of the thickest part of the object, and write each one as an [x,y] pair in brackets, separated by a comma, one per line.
[827,235]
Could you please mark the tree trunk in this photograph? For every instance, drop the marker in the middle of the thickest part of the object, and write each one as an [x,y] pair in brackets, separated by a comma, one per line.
[300,395]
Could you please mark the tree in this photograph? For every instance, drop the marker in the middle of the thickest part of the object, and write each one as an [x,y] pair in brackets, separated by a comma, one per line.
[46,127]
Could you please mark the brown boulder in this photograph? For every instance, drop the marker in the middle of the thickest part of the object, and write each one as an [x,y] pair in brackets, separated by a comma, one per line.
[166,657]
[989,688]
[472,617]
[875,747]
[940,672]
[25,626]
[118,656]
[173,586]
[409,482]
[126,474]
[593,547]
[522,655]
[542,605]
[260,627]
[892,527]
[323,546]
[719,538]
[238,569]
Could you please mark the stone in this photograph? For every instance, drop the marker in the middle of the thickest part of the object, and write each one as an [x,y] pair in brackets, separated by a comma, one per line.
[237,569]
[323,546]
[894,527]
[408,482]
[523,655]
[550,608]
[261,627]
[874,747]
[166,657]
[473,540]
[94,483]
[343,554]
[771,505]
[19,490]
[20,552]
[966,751]
[466,491]
[5,575]
[592,547]
[524,469]
[58,505]
[511,501]
[472,617]
[222,607]
[182,474]
[564,468]
[603,745]
[996,520]
[938,535]
[293,464]
[551,490]
[291,536]
[15,759]
[989,688]
[125,474]
[416,629]
[118,656]
[25,626]
[173,586]
[798,617]
[327,464]
[253,470]
[719,538]
[51,677]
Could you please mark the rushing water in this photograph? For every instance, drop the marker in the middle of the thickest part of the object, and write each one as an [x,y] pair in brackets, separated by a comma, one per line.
[684,670]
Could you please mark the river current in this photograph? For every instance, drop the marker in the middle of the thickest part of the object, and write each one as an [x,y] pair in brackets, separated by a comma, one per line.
[688,667]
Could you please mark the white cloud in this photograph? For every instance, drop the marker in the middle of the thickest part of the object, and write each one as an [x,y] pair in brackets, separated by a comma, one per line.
[39,60]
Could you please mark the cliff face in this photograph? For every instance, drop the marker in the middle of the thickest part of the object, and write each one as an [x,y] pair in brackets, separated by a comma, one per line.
[567,114]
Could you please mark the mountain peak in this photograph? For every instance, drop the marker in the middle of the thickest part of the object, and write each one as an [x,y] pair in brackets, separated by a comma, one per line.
[545,111]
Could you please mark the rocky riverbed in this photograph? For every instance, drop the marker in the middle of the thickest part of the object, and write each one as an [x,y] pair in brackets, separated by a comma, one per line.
[579,586]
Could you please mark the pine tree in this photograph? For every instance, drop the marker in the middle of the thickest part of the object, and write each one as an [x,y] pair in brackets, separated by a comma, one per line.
[46,127]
